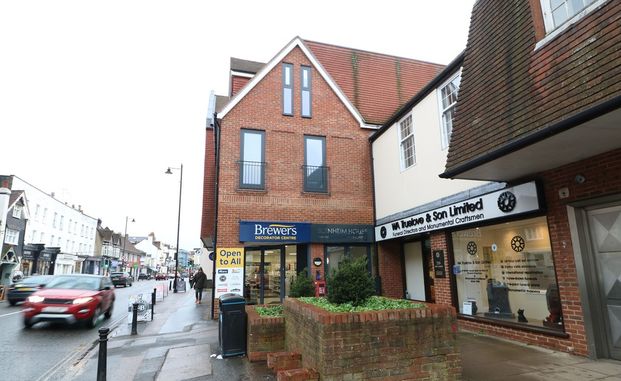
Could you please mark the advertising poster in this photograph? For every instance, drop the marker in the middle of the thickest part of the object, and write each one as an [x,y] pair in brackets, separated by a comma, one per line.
[229,271]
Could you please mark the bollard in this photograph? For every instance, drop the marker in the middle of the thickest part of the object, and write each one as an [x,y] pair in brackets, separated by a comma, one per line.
[170,285]
[135,319]
[103,354]
[153,303]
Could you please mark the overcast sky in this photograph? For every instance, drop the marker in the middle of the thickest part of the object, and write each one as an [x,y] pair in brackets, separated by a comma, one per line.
[98,98]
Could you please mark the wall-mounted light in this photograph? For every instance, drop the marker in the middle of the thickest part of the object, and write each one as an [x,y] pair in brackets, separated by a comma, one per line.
[579,179]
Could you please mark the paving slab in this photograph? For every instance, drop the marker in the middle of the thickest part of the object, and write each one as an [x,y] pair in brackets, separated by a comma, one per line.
[185,363]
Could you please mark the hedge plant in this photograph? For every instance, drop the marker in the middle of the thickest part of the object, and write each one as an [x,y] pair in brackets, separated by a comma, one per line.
[302,285]
[351,283]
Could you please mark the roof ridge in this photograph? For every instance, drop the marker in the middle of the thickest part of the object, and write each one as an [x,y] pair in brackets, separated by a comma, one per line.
[373,53]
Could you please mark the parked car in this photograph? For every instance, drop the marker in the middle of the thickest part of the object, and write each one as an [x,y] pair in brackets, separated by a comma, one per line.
[160,277]
[143,276]
[71,299]
[121,278]
[23,288]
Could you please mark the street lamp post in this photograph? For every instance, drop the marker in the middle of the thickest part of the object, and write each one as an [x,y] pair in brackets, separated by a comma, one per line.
[123,254]
[169,172]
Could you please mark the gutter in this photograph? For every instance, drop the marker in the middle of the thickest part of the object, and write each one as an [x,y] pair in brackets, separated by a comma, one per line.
[216,134]
[516,145]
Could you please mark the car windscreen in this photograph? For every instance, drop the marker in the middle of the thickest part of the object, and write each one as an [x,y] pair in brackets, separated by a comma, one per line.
[75,283]
[35,280]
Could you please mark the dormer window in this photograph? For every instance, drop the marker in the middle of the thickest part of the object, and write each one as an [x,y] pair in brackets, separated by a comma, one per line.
[448,99]
[17,211]
[287,89]
[558,12]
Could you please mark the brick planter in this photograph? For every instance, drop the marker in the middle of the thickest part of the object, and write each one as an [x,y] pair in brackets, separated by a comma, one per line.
[380,345]
[264,334]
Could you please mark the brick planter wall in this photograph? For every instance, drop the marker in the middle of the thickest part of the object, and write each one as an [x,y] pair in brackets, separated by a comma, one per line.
[265,334]
[379,345]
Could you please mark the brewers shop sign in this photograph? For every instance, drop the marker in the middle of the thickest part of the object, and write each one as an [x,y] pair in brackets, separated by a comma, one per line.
[254,231]
[511,201]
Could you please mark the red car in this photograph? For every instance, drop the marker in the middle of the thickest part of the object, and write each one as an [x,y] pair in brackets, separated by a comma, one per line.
[71,299]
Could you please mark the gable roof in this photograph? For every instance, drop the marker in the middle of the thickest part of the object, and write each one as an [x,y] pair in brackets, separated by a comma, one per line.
[370,85]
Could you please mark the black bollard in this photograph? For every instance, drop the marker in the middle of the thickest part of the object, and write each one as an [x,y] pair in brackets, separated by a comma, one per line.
[103,354]
[153,303]
[135,319]
[170,285]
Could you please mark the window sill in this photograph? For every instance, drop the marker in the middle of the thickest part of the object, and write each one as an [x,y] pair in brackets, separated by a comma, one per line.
[251,190]
[515,325]
[310,193]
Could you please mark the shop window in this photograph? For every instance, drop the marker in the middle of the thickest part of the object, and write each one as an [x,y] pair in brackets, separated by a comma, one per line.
[252,165]
[336,254]
[305,87]
[448,99]
[506,272]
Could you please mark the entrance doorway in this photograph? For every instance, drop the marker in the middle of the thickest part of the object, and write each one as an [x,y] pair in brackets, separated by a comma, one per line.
[604,229]
[417,280]
[268,271]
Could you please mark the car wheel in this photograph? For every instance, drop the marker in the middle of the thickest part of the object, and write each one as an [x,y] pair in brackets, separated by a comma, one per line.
[12,302]
[28,323]
[92,322]
[108,313]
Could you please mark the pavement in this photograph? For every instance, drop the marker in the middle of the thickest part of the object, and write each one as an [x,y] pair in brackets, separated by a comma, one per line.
[181,344]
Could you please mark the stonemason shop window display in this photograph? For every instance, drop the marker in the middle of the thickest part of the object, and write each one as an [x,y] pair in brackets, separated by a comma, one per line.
[505,272]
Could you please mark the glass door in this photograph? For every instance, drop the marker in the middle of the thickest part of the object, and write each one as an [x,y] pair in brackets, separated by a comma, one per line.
[264,277]
[272,275]
[252,276]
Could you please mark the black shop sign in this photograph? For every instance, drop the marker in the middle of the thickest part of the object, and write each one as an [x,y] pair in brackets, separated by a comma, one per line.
[438,263]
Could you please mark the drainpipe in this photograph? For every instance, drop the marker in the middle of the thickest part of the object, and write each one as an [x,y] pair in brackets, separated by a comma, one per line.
[216,134]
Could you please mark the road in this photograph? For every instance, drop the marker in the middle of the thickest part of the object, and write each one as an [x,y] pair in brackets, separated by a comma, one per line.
[44,351]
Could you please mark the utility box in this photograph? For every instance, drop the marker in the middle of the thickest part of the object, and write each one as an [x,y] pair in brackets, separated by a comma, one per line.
[232,325]
[320,288]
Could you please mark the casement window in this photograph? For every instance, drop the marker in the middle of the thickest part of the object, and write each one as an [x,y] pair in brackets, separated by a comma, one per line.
[406,142]
[448,98]
[55,220]
[305,86]
[62,219]
[69,226]
[314,169]
[558,12]
[44,219]
[252,160]
[17,211]
[37,211]
[11,237]
[52,240]
[287,89]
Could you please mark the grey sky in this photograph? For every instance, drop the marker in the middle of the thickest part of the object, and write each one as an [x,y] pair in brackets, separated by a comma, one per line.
[98,98]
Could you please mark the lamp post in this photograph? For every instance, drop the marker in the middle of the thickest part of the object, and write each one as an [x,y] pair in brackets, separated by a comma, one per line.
[123,254]
[169,172]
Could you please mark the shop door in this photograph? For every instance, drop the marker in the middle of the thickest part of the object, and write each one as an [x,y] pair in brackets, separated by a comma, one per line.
[414,271]
[264,275]
[605,232]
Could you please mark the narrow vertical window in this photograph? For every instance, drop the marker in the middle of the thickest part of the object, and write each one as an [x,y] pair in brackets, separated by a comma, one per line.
[287,89]
[315,169]
[305,85]
[448,99]
[406,142]
[252,163]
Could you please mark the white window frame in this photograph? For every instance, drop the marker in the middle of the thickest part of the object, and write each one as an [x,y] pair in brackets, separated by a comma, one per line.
[11,237]
[54,221]
[17,211]
[445,135]
[551,30]
[402,140]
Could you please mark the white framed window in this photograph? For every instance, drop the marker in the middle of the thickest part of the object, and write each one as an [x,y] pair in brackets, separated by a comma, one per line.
[11,236]
[54,220]
[33,237]
[59,242]
[69,226]
[52,240]
[37,211]
[62,219]
[406,142]
[41,237]
[17,211]
[447,95]
[44,215]
[558,12]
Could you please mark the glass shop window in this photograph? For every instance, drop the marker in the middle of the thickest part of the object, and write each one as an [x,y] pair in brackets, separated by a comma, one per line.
[506,272]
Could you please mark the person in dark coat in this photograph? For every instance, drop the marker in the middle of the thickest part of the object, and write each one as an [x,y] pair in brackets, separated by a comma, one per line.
[200,282]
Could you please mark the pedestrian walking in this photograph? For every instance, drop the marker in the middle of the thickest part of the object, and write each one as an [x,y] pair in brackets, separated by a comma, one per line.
[200,281]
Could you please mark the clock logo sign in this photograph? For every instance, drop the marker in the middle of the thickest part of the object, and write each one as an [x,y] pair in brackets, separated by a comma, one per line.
[471,248]
[517,243]
[506,201]
[383,232]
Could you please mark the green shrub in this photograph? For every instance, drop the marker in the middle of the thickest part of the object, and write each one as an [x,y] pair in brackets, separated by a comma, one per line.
[351,283]
[271,311]
[302,285]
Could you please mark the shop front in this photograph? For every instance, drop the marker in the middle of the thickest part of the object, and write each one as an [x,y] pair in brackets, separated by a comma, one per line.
[275,253]
[490,254]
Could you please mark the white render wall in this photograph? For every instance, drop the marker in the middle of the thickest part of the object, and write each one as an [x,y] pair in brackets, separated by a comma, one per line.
[396,190]
[75,238]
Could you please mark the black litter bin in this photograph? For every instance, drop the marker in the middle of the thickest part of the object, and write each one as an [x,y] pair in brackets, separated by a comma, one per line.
[232,325]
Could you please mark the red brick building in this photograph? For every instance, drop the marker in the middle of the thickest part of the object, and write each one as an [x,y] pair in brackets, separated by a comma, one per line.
[540,102]
[288,166]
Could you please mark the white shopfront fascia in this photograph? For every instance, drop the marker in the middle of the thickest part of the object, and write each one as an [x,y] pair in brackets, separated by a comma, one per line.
[519,199]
